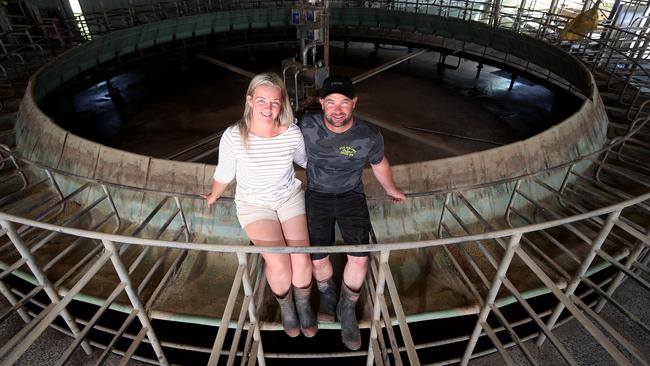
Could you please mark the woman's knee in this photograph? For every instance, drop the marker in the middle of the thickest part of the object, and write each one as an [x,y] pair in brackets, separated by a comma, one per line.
[278,263]
[301,262]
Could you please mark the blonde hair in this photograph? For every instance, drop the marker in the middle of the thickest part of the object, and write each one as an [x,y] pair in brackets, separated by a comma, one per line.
[285,118]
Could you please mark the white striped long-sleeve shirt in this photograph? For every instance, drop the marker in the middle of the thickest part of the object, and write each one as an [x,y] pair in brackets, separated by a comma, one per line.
[264,171]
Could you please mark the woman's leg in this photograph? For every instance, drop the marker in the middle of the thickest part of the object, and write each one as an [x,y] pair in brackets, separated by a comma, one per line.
[296,235]
[268,233]
[277,269]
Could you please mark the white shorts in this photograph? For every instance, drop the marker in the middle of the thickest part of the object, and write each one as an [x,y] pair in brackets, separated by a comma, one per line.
[292,207]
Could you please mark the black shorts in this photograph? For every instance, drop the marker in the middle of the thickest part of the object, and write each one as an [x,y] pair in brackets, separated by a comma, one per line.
[348,210]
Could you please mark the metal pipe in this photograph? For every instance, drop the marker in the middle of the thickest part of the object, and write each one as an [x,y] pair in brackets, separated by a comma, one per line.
[305,51]
[227,314]
[135,300]
[573,284]
[492,294]
[387,65]
[376,312]
[252,313]
[295,86]
[373,275]
[571,307]
[42,279]
[397,306]
[49,314]
[109,300]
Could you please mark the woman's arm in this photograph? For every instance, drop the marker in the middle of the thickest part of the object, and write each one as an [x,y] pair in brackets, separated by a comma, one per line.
[300,155]
[225,170]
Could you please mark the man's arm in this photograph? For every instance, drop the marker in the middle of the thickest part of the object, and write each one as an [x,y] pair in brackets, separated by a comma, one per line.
[385,177]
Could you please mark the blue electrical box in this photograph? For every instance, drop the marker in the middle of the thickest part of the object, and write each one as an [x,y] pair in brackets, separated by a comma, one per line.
[295,16]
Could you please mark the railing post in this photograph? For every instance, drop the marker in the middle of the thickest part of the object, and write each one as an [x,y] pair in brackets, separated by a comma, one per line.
[376,311]
[123,274]
[492,294]
[584,266]
[252,314]
[399,311]
[620,276]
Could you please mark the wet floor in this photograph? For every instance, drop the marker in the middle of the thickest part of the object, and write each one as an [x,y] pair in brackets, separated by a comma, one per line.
[160,108]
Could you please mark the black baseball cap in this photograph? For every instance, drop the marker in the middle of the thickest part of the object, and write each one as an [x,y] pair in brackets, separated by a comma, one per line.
[337,85]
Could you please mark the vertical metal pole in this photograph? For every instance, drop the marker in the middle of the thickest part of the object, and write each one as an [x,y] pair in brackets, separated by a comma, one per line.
[510,202]
[442,213]
[135,300]
[225,318]
[492,294]
[399,311]
[376,311]
[584,266]
[621,275]
[42,279]
[252,314]
[496,13]
[113,207]
[520,11]
[13,301]
[183,219]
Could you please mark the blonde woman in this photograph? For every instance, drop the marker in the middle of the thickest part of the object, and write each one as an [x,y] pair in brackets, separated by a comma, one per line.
[259,151]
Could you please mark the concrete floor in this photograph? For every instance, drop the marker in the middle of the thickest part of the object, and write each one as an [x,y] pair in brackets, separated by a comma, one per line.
[51,344]
[581,344]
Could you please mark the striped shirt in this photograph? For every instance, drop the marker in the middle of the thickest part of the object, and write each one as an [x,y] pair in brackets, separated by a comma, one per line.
[264,172]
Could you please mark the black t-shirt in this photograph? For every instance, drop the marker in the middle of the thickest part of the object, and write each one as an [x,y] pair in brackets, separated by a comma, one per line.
[335,161]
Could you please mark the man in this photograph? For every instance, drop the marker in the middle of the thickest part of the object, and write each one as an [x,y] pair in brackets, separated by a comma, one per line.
[338,148]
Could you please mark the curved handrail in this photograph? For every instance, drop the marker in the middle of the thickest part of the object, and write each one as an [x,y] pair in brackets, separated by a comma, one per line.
[227,248]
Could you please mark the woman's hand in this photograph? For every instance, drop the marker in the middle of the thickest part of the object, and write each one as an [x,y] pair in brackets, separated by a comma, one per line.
[211,197]
[217,190]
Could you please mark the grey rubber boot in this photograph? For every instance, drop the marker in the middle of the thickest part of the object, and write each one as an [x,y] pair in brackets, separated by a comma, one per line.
[308,323]
[327,303]
[290,321]
[346,312]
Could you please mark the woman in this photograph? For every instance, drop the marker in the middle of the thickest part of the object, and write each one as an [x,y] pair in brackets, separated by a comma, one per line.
[260,151]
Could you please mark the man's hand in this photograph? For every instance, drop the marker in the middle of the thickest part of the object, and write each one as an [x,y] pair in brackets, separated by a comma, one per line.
[385,178]
[397,195]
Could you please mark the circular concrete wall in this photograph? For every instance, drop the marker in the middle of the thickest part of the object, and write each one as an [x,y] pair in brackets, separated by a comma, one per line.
[40,139]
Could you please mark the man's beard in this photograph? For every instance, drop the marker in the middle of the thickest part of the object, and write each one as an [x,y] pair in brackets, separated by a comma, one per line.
[341,124]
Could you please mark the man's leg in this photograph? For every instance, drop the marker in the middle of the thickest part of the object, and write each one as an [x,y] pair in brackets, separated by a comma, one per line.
[355,272]
[353,277]
[324,274]
[321,233]
[354,222]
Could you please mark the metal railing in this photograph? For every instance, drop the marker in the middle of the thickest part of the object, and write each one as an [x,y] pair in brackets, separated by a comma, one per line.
[579,221]
[597,219]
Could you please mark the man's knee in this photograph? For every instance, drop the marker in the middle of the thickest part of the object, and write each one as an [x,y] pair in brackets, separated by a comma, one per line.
[360,263]
[322,263]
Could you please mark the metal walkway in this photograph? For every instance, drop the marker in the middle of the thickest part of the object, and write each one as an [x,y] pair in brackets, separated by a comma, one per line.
[597,222]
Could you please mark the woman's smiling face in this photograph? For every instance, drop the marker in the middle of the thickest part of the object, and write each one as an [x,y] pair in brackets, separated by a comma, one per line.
[266,103]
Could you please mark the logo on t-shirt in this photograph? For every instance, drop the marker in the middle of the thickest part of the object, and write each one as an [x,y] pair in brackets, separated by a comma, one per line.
[347,151]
